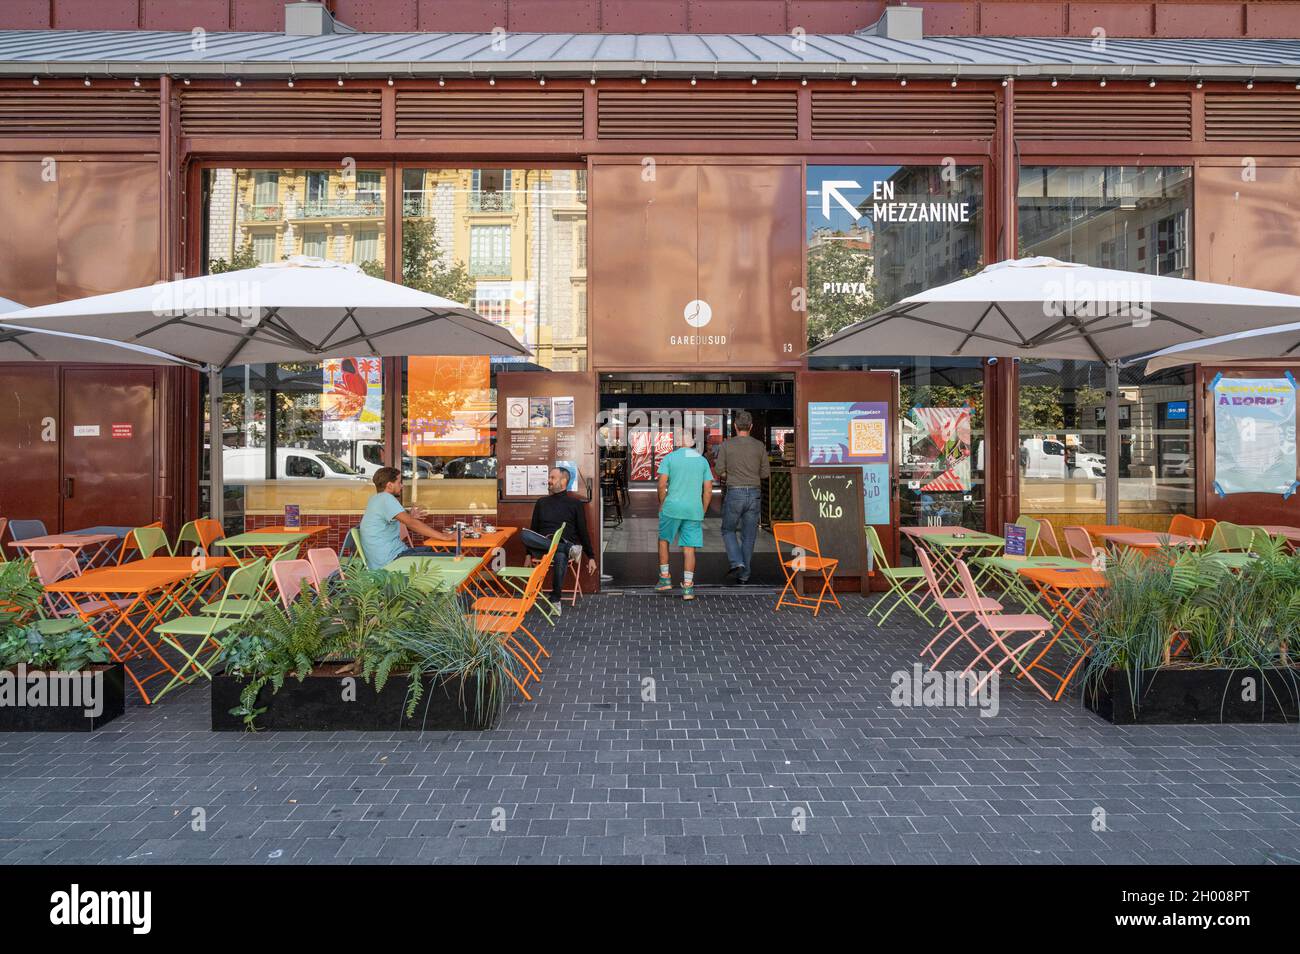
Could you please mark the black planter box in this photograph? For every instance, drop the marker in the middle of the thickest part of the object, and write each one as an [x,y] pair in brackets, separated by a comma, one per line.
[317,704]
[19,714]
[1177,696]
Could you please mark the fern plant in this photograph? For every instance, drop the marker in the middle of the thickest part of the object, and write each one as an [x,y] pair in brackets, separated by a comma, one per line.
[70,651]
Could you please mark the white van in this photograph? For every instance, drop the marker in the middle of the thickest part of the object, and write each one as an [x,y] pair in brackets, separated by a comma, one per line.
[243,464]
[370,457]
[1046,458]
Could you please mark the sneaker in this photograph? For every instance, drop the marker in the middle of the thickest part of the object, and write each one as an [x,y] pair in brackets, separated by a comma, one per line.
[735,568]
[688,591]
[664,585]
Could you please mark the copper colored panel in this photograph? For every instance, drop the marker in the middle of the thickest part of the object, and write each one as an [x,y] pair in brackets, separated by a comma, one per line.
[644,16]
[390,16]
[750,262]
[25,15]
[1022,19]
[643,265]
[96,15]
[29,465]
[107,233]
[1117,19]
[729,16]
[833,16]
[951,18]
[266,16]
[108,477]
[186,15]
[1199,19]
[546,16]
[460,16]
[1272,20]
[28,271]
[1245,231]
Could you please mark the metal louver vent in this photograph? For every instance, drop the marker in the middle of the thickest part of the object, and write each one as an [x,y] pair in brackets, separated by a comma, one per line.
[726,114]
[876,115]
[292,114]
[1232,117]
[1098,114]
[78,113]
[505,114]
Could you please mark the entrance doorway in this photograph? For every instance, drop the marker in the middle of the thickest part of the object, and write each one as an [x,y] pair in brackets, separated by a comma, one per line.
[639,416]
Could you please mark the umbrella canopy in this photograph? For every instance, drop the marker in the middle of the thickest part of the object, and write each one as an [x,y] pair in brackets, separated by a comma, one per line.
[1262,344]
[1045,308]
[18,344]
[300,310]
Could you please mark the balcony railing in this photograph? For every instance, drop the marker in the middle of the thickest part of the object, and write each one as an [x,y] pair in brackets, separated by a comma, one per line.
[341,209]
[489,267]
[416,207]
[491,201]
[262,212]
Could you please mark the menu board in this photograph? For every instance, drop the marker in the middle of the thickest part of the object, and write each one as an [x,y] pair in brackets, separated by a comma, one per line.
[543,431]
[831,499]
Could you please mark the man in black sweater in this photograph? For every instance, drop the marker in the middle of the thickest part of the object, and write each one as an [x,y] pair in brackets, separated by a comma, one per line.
[548,514]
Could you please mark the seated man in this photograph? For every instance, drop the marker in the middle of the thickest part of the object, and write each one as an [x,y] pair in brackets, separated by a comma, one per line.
[381,538]
[548,514]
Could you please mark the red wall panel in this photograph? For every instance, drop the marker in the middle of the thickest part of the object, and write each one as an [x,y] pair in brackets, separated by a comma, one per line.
[25,15]
[255,15]
[1022,19]
[1117,19]
[539,16]
[833,16]
[729,16]
[391,16]
[1199,19]
[644,16]
[460,16]
[96,15]
[950,19]
[185,15]
[1272,19]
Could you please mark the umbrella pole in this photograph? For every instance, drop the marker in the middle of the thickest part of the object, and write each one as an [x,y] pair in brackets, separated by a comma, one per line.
[1112,442]
[216,492]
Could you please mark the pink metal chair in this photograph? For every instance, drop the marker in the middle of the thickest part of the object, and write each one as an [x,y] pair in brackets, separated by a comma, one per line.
[956,608]
[999,626]
[324,566]
[290,575]
[59,564]
[1047,541]
[1080,544]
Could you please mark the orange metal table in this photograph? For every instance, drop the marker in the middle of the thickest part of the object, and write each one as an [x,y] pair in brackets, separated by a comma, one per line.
[1065,592]
[1149,539]
[196,564]
[150,593]
[487,541]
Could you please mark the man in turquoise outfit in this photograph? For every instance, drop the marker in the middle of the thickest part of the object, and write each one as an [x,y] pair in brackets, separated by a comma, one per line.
[685,488]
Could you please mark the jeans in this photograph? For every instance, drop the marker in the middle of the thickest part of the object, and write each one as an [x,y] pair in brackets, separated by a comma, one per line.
[740,525]
[417,551]
[537,545]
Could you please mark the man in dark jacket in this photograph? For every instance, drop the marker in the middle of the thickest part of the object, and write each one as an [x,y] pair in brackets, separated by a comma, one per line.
[549,513]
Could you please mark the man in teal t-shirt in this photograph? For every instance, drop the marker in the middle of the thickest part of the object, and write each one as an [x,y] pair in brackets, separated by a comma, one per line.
[685,488]
[381,537]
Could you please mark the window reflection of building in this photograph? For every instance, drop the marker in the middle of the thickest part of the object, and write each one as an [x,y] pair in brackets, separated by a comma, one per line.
[912,256]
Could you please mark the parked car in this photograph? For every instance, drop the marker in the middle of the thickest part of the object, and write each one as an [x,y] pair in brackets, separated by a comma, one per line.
[370,457]
[249,463]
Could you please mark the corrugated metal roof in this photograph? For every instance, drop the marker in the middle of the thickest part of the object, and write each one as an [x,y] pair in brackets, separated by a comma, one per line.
[42,52]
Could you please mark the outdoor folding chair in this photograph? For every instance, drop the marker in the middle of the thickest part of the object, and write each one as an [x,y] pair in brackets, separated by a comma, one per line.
[352,548]
[325,566]
[1033,529]
[146,541]
[26,529]
[4,557]
[234,606]
[574,566]
[1047,540]
[1207,528]
[1186,526]
[999,626]
[906,583]
[504,617]
[1231,536]
[1080,545]
[200,534]
[512,575]
[956,608]
[806,556]
[58,564]
[289,578]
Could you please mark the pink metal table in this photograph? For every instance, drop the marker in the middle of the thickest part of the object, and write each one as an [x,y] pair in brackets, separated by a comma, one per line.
[76,542]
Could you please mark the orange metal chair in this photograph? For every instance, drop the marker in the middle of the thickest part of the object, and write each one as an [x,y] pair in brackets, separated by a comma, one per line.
[1187,526]
[129,541]
[1207,527]
[504,616]
[4,523]
[806,556]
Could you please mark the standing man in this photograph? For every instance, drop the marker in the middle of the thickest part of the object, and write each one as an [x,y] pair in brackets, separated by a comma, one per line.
[381,539]
[685,488]
[742,463]
[559,509]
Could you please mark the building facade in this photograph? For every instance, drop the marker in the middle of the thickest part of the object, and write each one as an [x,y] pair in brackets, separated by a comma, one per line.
[588,209]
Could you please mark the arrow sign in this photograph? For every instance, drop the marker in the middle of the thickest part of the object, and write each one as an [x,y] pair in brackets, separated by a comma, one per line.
[831,190]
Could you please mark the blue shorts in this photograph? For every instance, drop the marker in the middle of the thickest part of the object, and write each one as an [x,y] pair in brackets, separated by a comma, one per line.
[686,533]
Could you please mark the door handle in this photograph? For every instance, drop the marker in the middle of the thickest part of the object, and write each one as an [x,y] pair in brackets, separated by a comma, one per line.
[67,487]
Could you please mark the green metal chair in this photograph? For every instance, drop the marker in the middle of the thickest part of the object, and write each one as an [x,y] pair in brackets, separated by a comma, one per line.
[1032,530]
[516,577]
[1231,536]
[905,582]
[148,541]
[200,534]
[234,606]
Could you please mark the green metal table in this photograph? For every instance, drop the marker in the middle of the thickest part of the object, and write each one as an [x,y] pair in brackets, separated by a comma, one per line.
[1005,571]
[254,545]
[436,571]
[946,549]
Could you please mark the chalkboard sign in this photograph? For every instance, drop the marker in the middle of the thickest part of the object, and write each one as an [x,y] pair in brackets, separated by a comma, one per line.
[830,498]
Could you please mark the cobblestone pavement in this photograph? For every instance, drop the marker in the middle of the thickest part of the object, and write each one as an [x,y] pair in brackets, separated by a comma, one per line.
[761,725]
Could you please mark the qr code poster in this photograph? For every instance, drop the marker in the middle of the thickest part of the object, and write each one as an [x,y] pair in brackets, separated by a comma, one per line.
[866,438]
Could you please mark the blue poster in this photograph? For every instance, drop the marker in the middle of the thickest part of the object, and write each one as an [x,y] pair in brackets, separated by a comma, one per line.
[848,432]
[875,493]
[1254,435]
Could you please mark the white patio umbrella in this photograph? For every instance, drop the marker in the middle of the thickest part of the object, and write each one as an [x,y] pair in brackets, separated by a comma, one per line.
[1263,344]
[303,309]
[1045,308]
[21,344]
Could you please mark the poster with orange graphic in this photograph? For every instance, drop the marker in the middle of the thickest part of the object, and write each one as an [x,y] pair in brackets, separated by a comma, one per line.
[450,410]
